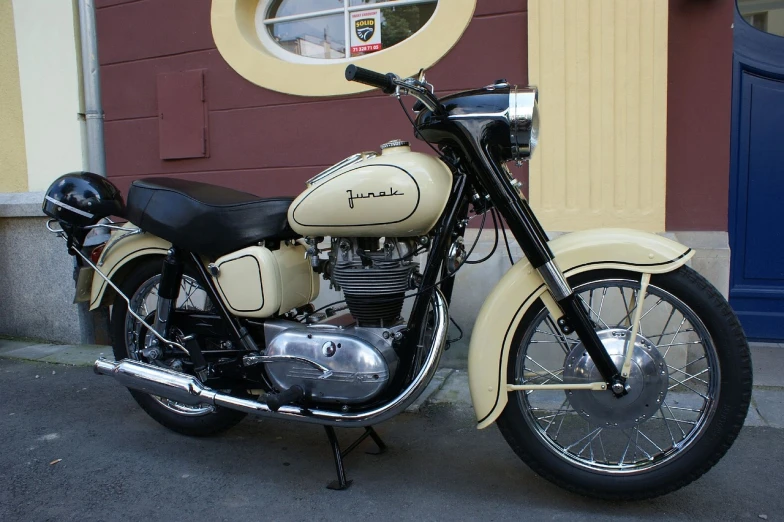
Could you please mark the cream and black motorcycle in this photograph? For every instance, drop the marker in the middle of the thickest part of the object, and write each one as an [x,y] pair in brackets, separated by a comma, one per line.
[611,368]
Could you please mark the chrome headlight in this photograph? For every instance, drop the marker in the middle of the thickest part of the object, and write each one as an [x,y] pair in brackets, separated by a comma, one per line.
[523,122]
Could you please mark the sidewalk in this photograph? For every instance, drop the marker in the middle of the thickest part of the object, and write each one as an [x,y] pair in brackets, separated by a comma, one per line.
[450,386]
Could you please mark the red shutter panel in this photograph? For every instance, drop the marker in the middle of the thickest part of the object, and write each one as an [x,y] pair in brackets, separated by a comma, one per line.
[182,115]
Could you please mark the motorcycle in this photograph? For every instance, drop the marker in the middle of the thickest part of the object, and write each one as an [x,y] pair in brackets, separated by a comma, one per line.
[611,367]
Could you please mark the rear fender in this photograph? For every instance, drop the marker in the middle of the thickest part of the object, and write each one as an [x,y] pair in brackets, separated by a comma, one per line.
[514,294]
[124,247]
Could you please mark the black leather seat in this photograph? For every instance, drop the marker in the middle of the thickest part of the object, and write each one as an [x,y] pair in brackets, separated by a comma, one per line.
[206,219]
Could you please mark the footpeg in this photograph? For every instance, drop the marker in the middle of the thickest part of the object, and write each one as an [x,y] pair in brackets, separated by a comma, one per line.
[290,396]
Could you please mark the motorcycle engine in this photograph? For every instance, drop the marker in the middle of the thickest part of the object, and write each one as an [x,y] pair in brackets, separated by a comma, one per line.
[360,361]
[374,277]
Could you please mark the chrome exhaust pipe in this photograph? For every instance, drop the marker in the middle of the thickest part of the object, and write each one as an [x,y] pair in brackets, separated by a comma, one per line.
[155,380]
[187,389]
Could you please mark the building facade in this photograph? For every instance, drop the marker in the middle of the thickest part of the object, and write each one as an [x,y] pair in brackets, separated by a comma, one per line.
[41,137]
[635,98]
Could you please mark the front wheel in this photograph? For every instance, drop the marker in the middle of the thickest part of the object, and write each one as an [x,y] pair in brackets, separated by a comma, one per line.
[689,387]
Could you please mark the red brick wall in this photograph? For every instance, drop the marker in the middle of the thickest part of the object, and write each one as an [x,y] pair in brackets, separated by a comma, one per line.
[262,141]
[698,114]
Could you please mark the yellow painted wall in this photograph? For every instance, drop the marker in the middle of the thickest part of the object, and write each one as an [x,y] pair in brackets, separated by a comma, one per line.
[49,71]
[13,165]
[601,68]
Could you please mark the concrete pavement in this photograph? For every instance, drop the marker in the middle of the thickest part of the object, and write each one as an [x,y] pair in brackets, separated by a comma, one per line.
[450,386]
[77,447]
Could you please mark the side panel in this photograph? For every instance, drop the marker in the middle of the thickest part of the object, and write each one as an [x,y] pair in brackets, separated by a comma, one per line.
[258,282]
[122,249]
[249,282]
[521,286]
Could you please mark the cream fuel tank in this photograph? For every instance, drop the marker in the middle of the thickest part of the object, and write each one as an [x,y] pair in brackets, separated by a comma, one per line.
[399,193]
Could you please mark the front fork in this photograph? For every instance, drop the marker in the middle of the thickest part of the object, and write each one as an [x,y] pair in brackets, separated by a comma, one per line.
[577,319]
[505,192]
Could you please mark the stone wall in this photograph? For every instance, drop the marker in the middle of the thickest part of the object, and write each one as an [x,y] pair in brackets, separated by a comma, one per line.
[36,275]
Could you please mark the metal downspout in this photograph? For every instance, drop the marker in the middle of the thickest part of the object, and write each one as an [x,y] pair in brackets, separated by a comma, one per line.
[91,80]
[93,326]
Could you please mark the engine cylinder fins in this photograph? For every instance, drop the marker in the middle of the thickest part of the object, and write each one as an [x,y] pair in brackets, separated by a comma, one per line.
[373,281]
[376,311]
[374,295]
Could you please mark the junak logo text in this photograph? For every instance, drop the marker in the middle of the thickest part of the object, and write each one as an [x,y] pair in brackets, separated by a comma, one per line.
[382,194]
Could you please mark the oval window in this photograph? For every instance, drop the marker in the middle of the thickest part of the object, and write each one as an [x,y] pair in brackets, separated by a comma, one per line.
[339,29]
[765,15]
[302,46]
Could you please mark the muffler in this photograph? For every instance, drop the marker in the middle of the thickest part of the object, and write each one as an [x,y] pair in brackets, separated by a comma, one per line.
[155,380]
[187,389]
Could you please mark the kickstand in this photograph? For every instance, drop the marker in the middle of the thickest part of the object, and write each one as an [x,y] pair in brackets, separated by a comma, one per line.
[341,483]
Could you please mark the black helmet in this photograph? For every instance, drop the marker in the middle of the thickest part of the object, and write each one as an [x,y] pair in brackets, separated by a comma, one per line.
[82,198]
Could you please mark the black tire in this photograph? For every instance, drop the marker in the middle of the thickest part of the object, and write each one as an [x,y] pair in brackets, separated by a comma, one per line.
[209,423]
[526,430]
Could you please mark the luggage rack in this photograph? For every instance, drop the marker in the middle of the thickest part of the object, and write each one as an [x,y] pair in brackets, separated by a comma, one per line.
[62,233]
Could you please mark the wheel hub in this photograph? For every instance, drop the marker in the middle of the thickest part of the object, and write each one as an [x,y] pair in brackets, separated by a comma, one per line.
[646,384]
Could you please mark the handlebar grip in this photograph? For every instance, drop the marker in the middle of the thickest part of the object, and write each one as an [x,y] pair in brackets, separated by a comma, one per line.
[372,78]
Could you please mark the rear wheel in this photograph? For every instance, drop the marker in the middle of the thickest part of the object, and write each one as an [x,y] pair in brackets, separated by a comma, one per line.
[129,337]
[689,388]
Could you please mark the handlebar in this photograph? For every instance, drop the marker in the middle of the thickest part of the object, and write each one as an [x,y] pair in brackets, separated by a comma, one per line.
[385,82]
[390,83]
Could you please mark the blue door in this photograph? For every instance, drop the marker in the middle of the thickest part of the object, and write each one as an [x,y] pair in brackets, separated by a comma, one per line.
[756,220]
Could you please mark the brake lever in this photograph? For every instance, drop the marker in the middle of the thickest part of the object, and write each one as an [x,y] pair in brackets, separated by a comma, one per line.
[422,91]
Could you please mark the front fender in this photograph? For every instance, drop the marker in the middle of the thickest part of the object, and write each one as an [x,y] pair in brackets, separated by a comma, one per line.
[506,305]
[123,247]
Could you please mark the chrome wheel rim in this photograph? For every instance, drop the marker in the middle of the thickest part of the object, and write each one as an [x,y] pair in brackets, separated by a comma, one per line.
[578,430]
[144,302]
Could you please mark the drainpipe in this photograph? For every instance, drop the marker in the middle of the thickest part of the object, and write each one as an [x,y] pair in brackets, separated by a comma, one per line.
[93,326]
[91,79]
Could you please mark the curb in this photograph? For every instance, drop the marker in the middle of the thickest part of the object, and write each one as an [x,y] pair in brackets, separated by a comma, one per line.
[69,354]
[448,387]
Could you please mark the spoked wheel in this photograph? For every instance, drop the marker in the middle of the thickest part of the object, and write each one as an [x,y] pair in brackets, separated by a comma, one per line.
[130,338]
[688,390]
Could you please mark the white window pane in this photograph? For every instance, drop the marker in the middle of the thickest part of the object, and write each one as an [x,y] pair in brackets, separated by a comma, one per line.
[367,2]
[298,7]
[364,2]
[317,37]
[306,30]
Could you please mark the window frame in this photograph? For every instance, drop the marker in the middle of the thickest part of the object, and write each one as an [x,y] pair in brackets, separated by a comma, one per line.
[263,23]
[759,7]
[237,39]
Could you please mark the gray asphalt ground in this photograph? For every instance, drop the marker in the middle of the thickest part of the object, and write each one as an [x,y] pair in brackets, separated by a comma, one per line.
[76,447]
